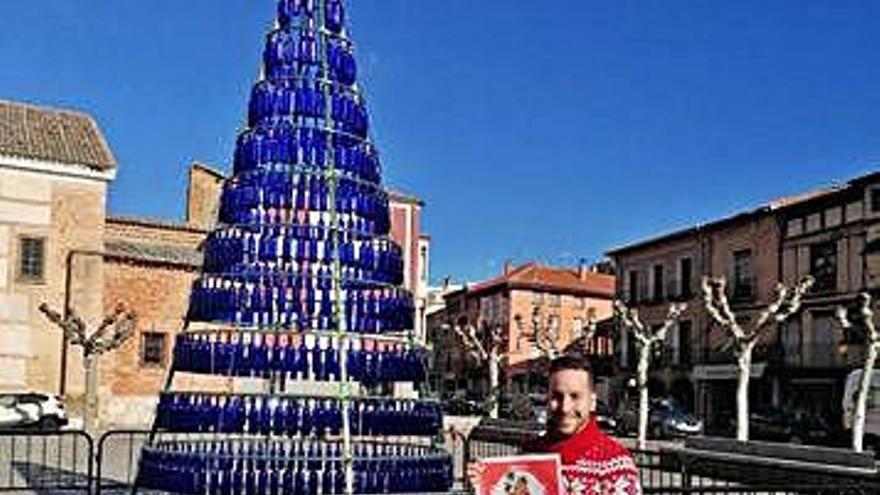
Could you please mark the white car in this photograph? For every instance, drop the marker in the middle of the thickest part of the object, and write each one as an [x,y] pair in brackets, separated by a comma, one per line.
[32,409]
[872,411]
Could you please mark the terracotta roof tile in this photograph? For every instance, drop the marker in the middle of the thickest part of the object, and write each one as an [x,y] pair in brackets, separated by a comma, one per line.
[535,276]
[56,135]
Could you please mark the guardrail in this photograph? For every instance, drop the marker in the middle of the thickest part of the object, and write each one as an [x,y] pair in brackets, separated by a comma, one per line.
[714,466]
[46,461]
[67,461]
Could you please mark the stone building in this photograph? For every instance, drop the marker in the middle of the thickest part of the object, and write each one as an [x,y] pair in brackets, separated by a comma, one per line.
[55,168]
[558,297]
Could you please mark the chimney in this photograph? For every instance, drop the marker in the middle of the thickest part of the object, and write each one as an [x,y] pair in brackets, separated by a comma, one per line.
[508,267]
[583,269]
[446,282]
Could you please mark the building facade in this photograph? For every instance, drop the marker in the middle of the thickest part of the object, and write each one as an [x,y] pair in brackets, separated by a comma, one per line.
[150,265]
[822,233]
[55,168]
[517,301]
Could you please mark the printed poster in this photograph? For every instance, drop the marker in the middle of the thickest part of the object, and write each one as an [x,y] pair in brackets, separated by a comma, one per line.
[537,474]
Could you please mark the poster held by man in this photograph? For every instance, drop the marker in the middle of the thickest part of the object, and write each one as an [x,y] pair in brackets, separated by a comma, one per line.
[535,474]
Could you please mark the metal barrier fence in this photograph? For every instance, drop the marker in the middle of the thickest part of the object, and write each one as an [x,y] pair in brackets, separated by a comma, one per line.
[118,456]
[67,462]
[46,461]
[678,471]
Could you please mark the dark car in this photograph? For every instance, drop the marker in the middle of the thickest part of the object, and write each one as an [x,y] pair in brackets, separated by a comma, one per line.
[604,418]
[778,425]
[459,406]
[666,419]
[669,419]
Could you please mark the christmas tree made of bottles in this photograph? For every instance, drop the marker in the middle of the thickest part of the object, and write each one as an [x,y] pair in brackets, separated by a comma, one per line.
[300,284]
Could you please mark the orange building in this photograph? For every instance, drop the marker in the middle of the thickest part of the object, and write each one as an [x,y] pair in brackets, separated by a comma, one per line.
[520,301]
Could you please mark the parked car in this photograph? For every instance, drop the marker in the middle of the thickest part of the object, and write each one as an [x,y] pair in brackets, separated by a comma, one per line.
[780,425]
[604,417]
[459,406]
[872,409]
[669,419]
[32,410]
[666,419]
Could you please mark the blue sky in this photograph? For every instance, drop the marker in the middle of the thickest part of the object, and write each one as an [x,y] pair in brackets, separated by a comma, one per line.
[545,130]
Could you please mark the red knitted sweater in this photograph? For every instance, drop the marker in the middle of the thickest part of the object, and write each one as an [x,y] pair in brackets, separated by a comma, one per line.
[593,463]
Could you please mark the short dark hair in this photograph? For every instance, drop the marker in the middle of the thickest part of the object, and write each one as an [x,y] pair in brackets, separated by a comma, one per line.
[571,362]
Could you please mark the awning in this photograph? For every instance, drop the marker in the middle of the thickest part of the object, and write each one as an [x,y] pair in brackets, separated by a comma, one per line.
[724,371]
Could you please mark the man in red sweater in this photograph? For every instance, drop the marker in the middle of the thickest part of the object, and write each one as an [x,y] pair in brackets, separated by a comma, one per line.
[592,462]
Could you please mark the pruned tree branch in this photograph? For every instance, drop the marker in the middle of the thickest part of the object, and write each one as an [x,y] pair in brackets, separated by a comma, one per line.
[648,339]
[468,335]
[545,337]
[121,322]
[718,307]
[872,348]
[591,326]
[786,303]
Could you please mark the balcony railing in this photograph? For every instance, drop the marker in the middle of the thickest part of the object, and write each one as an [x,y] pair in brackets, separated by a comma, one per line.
[823,355]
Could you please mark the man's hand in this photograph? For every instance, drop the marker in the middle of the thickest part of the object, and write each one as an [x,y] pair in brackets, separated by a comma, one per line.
[474,473]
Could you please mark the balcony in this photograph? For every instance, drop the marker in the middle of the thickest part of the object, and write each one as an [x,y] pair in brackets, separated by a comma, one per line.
[823,355]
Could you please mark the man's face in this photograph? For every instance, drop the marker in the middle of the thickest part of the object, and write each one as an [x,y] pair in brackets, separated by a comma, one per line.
[570,401]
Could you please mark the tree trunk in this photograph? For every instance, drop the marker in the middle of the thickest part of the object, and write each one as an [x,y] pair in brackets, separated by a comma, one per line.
[493,381]
[90,411]
[862,400]
[642,382]
[744,362]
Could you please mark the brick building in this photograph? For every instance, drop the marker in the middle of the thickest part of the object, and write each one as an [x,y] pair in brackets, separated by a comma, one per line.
[825,233]
[55,168]
[151,264]
[558,296]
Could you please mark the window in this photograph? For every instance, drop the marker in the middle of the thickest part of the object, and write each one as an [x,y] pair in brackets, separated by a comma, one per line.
[686,273]
[823,265]
[875,200]
[153,349]
[580,302]
[31,258]
[634,283]
[742,274]
[423,264]
[658,283]
[684,343]
[577,328]
[555,300]
[537,297]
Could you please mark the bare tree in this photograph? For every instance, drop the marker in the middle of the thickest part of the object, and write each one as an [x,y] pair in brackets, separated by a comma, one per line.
[544,336]
[111,333]
[786,303]
[587,332]
[647,340]
[485,349]
[872,346]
